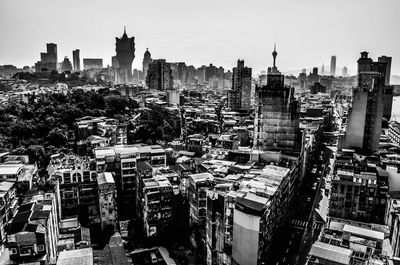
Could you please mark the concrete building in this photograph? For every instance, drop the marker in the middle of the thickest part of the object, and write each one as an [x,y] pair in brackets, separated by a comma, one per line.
[155,198]
[33,232]
[260,210]
[76,60]
[239,95]
[365,117]
[107,200]
[333,65]
[343,242]
[358,189]
[276,122]
[122,161]
[159,75]
[48,59]
[76,186]
[388,61]
[198,184]
[219,224]
[125,49]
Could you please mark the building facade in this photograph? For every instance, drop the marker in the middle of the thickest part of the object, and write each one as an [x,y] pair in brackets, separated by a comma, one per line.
[239,95]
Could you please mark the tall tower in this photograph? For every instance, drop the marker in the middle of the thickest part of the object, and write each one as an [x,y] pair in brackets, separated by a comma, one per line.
[125,48]
[276,122]
[365,117]
[333,65]
[388,61]
[388,92]
[240,94]
[273,69]
[146,61]
[76,60]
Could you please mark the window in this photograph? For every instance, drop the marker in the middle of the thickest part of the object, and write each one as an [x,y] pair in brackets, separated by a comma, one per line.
[40,248]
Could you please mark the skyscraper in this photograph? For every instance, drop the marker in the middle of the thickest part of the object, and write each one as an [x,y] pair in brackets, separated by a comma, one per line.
[276,122]
[76,60]
[333,65]
[239,95]
[365,117]
[159,75]
[48,59]
[388,92]
[125,49]
[388,61]
[146,61]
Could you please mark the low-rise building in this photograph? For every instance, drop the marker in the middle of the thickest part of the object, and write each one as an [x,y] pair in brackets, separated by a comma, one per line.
[33,232]
[346,242]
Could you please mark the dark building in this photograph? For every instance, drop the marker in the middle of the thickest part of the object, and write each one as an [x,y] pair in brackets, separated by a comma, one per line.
[159,75]
[359,189]
[210,71]
[333,65]
[239,95]
[276,122]
[313,77]
[388,92]
[48,59]
[125,49]
[317,88]
[365,117]
[388,61]
[76,60]
[66,65]
[146,61]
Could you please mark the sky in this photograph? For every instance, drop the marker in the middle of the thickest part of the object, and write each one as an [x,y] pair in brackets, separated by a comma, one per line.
[306,32]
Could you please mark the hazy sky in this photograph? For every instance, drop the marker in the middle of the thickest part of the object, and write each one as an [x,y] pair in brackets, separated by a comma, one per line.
[307,32]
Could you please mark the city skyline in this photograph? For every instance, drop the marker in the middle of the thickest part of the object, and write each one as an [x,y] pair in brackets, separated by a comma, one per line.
[218,33]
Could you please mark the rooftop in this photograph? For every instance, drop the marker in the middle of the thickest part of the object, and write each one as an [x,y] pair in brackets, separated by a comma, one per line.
[105,178]
[82,256]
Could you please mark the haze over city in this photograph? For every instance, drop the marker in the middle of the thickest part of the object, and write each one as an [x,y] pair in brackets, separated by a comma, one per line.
[307,32]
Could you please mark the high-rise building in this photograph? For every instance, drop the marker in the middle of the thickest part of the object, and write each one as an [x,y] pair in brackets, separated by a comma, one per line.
[388,61]
[344,71]
[276,122]
[159,75]
[146,61]
[125,49]
[333,65]
[66,65]
[365,117]
[76,60]
[48,59]
[92,63]
[239,95]
[388,92]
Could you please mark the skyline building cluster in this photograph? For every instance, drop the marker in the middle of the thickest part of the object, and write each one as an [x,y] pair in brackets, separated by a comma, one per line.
[176,164]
